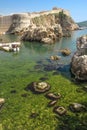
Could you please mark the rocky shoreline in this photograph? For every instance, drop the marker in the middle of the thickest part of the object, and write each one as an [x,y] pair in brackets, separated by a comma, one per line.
[79,60]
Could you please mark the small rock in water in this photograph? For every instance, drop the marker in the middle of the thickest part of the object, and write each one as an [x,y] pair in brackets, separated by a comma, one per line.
[76,107]
[38,87]
[34,115]
[53,96]
[52,103]
[24,95]
[2,101]
[60,110]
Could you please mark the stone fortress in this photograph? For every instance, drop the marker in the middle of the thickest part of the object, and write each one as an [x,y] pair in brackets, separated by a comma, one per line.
[23,18]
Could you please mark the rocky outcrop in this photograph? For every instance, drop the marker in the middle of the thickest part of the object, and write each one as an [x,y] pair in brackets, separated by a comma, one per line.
[46,26]
[79,60]
[49,26]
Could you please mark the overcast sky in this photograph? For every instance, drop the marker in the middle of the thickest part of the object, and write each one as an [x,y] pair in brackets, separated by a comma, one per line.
[77,8]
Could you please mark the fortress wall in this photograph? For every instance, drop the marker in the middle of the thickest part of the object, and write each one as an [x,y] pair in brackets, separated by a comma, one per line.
[5,23]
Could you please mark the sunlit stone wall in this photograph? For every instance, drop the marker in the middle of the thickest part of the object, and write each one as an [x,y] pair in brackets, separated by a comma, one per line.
[5,23]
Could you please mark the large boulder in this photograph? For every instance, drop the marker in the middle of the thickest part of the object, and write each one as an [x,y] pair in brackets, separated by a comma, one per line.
[79,60]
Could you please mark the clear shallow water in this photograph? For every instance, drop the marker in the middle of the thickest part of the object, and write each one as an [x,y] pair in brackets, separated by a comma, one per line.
[17,70]
[30,53]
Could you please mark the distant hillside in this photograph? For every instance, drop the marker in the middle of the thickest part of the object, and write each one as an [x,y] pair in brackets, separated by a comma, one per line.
[82,24]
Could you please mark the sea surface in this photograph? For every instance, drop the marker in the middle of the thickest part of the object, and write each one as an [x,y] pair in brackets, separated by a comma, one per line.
[31,63]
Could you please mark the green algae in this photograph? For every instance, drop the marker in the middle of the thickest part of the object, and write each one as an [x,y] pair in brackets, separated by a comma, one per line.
[17,71]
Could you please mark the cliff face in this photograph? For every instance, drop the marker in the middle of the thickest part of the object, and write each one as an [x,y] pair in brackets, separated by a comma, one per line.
[46,26]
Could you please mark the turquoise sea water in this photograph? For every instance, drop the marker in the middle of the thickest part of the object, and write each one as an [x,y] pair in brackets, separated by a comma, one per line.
[32,63]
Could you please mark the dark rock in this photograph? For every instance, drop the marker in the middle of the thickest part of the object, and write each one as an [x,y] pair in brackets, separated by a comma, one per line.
[24,95]
[76,107]
[13,91]
[53,96]
[34,115]
[43,78]
[50,67]
[60,110]
[38,67]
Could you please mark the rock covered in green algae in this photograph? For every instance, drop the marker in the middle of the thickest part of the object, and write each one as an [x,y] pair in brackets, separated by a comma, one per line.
[38,87]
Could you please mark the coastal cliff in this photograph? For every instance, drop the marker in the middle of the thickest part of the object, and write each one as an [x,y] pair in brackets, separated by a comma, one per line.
[46,26]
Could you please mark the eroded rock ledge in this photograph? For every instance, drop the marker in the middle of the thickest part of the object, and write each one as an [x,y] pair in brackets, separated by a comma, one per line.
[46,26]
[79,60]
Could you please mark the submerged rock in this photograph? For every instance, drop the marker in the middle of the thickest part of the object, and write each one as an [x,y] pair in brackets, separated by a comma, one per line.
[53,96]
[60,110]
[38,87]
[55,57]
[34,115]
[2,101]
[65,52]
[76,107]
[52,103]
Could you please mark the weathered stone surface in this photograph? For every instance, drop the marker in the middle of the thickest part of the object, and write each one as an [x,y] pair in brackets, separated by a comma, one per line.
[79,60]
